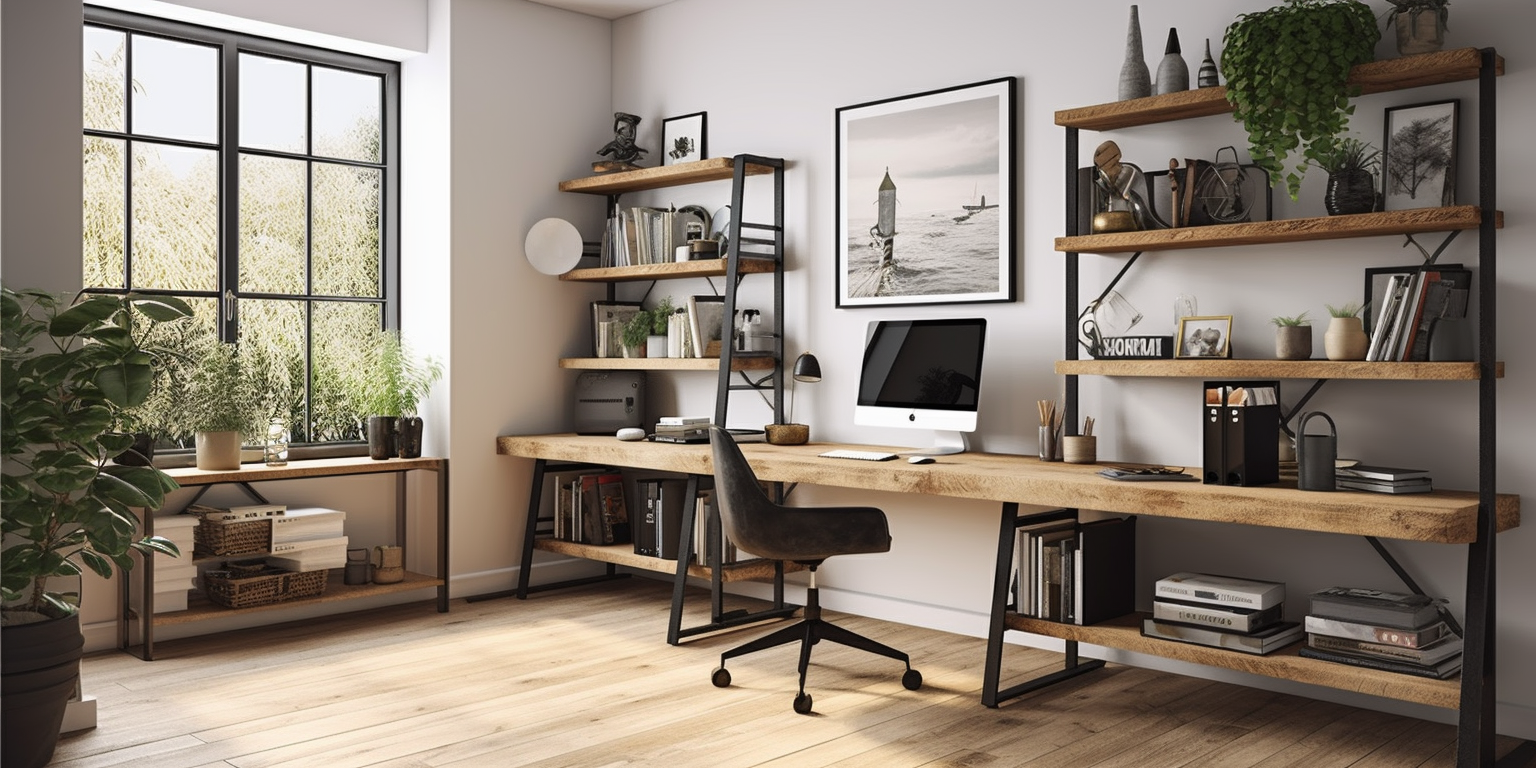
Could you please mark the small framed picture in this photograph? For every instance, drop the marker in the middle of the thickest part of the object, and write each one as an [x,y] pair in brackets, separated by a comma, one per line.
[683,138]
[1419,160]
[608,321]
[1205,336]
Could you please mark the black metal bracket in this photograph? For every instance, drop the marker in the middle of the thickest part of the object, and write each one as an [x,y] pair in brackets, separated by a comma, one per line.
[1413,586]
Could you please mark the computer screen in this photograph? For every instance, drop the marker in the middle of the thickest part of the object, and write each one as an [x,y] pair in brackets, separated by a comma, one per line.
[923,374]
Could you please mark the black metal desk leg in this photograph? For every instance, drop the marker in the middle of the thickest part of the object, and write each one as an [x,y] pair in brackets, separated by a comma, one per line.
[994,665]
[530,528]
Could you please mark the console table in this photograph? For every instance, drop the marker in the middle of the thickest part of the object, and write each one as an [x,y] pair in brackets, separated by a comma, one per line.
[335,590]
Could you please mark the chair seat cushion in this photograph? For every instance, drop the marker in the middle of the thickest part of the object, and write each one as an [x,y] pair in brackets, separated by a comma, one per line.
[813,533]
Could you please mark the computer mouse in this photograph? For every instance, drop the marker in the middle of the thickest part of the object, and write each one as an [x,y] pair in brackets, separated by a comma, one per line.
[920,460]
[630,433]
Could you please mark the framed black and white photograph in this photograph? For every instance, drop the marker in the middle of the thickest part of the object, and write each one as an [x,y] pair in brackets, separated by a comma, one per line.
[683,138]
[925,198]
[608,321]
[1419,156]
[1204,336]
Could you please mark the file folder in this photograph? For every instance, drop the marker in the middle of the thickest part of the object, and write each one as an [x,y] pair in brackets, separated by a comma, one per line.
[1241,441]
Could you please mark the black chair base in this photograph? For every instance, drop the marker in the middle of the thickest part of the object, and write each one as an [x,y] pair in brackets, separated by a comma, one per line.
[808,632]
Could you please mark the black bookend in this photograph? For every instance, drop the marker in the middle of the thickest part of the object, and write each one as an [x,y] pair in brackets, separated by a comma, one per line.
[1246,435]
[1106,576]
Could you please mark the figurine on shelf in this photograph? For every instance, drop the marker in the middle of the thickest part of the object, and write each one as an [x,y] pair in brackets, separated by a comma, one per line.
[622,148]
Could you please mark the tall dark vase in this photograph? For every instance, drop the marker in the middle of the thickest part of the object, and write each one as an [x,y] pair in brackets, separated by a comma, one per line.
[39,670]
[1350,192]
[381,437]
[408,436]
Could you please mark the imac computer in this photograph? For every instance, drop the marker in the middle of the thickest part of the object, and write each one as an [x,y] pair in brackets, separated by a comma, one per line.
[923,374]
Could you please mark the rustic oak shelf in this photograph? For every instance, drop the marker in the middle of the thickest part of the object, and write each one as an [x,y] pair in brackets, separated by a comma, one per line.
[1125,634]
[200,609]
[670,271]
[1276,369]
[713,169]
[624,554]
[755,363]
[1375,77]
[1457,217]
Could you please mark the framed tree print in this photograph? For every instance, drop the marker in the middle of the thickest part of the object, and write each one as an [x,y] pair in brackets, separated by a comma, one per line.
[925,200]
[1419,157]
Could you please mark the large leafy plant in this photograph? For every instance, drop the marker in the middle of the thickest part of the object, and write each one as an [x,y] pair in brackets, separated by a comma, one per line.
[1287,74]
[67,373]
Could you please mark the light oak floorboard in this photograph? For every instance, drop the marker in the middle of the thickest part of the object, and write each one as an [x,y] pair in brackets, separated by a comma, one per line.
[583,677]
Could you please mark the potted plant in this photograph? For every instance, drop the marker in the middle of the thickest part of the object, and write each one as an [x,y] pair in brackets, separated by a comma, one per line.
[389,393]
[1345,338]
[69,371]
[1420,24]
[649,327]
[1287,72]
[226,403]
[1293,337]
[1352,165]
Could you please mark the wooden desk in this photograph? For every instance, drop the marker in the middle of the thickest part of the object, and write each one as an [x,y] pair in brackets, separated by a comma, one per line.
[1448,517]
[189,477]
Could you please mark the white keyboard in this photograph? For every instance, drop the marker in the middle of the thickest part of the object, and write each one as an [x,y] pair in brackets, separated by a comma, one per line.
[843,453]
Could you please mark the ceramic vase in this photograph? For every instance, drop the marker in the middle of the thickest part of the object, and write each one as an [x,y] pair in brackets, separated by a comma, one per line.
[1345,339]
[1172,72]
[1349,192]
[1135,78]
[218,450]
[408,431]
[381,437]
[1293,342]
[1209,77]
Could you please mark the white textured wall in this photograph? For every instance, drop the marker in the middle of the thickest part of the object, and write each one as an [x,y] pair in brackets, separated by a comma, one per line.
[773,89]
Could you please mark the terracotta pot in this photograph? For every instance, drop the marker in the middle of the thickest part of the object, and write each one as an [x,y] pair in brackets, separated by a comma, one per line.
[218,450]
[1345,339]
[1293,342]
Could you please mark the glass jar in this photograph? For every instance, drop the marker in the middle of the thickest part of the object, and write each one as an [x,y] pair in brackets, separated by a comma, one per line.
[276,451]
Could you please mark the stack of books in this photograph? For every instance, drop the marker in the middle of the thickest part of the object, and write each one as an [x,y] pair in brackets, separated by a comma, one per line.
[1364,477]
[1076,573]
[308,539]
[1222,612]
[174,576]
[1389,631]
[681,429]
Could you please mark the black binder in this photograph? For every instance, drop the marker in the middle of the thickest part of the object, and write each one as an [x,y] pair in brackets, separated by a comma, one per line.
[1242,442]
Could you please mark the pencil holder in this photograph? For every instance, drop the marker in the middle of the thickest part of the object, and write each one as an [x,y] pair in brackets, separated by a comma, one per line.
[1050,449]
[1078,449]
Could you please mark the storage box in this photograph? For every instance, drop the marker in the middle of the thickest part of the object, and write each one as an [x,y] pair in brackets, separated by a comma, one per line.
[245,585]
[234,537]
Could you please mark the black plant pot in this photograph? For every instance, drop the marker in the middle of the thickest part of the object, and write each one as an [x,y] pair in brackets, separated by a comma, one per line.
[381,437]
[408,436]
[1350,192]
[39,670]
[140,454]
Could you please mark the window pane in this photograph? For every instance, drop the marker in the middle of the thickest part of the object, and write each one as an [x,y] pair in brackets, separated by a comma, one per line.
[164,414]
[272,100]
[338,360]
[271,225]
[272,342]
[175,218]
[347,113]
[106,75]
[176,89]
[346,231]
[104,213]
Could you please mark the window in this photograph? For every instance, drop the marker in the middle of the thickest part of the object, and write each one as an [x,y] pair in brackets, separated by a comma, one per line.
[256,179]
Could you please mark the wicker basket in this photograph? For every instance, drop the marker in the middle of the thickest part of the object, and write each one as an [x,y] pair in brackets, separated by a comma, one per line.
[253,583]
[229,538]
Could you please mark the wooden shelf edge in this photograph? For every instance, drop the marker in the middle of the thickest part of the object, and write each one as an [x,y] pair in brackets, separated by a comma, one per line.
[624,554]
[754,363]
[667,271]
[1125,634]
[1373,77]
[1278,369]
[711,169]
[1383,223]
[335,592]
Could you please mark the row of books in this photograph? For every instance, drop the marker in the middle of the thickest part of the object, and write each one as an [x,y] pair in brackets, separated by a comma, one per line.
[1390,631]
[1413,304]
[641,235]
[1075,573]
[589,507]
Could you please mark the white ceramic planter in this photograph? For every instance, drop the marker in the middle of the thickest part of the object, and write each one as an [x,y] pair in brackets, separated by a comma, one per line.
[218,450]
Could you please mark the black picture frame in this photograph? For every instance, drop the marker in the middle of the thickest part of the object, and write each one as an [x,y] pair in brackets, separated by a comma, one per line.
[684,139]
[1418,159]
[949,236]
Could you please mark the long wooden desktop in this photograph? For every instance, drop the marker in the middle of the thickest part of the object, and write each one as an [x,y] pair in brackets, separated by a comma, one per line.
[1441,516]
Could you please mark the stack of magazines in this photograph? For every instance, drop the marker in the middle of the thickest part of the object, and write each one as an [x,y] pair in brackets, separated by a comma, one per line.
[1222,612]
[1382,630]
[1364,477]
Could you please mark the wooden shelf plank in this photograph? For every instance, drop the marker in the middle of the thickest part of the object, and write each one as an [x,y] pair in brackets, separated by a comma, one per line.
[752,363]
[1457,217]
[668,271]
[712,169]
[257,472]
[201,609]
[624,554]
[1125,634]
[1374,77]
[1444,516]
[1276,369]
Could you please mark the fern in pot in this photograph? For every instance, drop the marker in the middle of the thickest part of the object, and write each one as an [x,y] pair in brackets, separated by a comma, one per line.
[226,403]
[389,393]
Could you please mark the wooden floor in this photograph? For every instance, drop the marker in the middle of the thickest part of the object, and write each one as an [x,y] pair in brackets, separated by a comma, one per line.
[582,677]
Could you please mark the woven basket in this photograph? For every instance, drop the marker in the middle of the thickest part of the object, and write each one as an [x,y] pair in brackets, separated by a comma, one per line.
[230,538]
[245,585]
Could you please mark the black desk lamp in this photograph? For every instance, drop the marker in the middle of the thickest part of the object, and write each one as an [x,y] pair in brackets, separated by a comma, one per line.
[807,369]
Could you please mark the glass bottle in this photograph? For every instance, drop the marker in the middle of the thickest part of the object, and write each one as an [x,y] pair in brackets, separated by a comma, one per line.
[276,451]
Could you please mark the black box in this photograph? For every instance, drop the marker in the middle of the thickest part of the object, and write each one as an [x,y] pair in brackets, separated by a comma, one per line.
[1241,442]
[657,524]
[608,401]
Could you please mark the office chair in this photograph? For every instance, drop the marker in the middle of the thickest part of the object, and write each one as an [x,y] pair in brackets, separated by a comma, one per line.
[804,535]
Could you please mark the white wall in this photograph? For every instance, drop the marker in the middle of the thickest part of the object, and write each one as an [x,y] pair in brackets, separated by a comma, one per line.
[772,89]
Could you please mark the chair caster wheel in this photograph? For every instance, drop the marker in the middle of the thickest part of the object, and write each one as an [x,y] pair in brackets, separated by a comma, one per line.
[721,678]
[912,680]
[803,704]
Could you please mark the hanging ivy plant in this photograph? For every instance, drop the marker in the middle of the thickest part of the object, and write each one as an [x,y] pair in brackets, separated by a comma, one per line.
[1287,70]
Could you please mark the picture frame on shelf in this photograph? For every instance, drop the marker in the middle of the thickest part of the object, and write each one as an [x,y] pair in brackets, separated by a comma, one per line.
[706,324]
[617,313]
[925,201]
[1204,336]
[683,138]
[1419,155]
